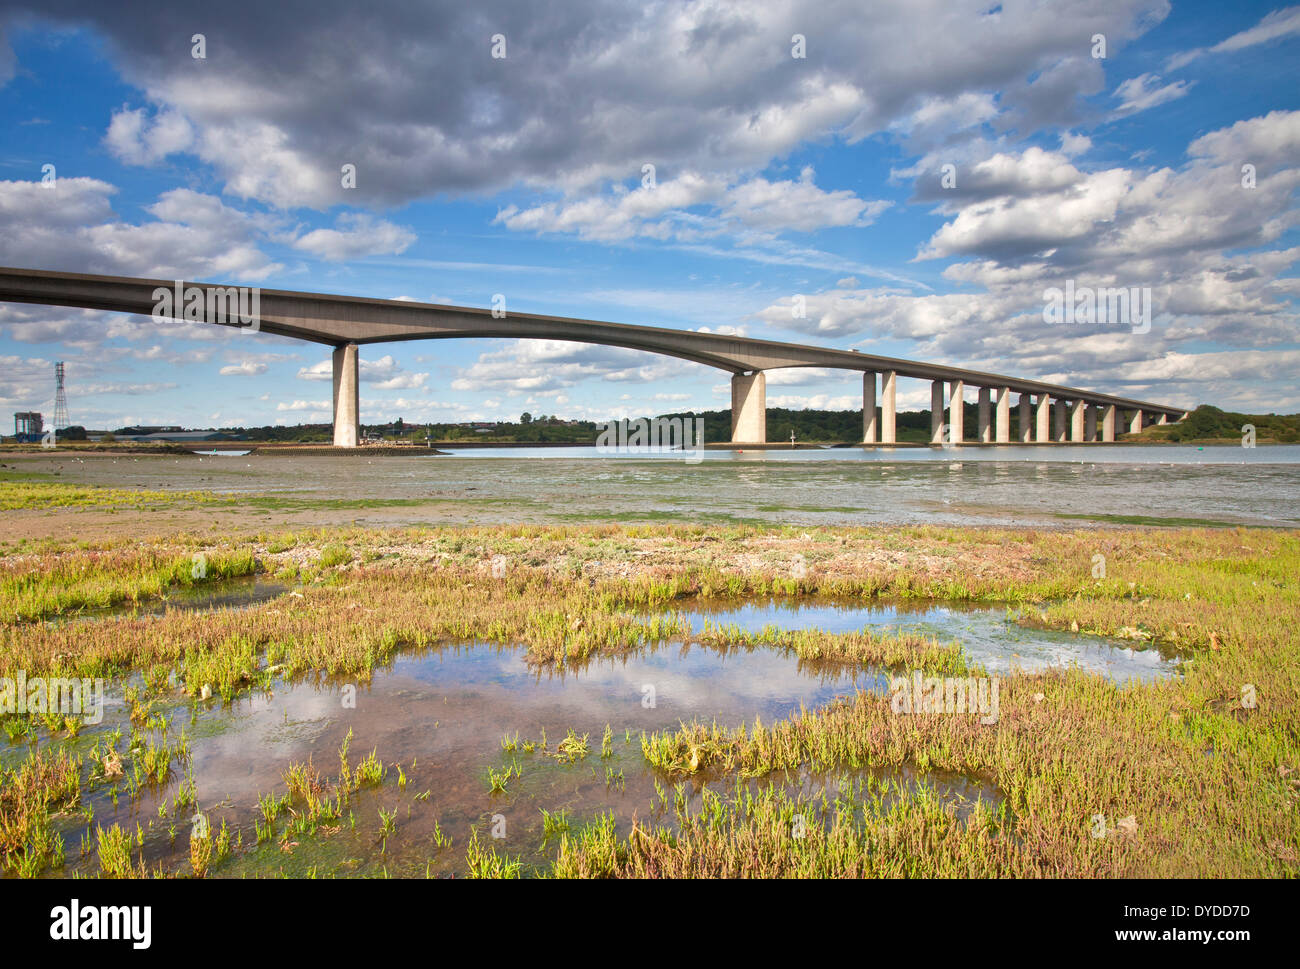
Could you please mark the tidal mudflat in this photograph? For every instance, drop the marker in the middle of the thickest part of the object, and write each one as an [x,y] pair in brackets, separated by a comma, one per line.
[93,495]
[609,700]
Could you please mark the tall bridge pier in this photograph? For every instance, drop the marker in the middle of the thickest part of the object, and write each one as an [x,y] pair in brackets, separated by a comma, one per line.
[347,396]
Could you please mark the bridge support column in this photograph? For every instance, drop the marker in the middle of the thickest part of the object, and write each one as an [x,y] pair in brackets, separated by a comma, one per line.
[936,412]
[956,412]
[1090,423]
[1044,431]
[1163,419]
[1004,415]
[1078,415]
[986,428]
[888,406]
[1026,419]
[1108,424]
[1135,422]
[347,407]
[869,408]
[1058,421]
[749,408]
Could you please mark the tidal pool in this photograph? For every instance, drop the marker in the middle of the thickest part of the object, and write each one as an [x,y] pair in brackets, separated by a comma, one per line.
[443,714]
[989,636]
[236,593]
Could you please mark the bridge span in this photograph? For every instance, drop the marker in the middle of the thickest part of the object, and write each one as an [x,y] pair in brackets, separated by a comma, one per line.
[1048,413]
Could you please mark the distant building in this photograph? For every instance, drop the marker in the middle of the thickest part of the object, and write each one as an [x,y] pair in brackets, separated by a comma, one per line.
[28,427]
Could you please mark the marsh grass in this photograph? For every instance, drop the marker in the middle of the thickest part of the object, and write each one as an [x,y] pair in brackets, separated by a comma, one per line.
[483,861]
[43,585]
[1209,781]
[22,491]
[46,782]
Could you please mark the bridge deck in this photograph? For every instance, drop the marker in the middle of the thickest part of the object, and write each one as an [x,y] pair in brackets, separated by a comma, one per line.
[339,320]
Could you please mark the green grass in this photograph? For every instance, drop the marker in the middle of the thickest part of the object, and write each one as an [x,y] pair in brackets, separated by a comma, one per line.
[19,492]
[39,586]
[1151,520]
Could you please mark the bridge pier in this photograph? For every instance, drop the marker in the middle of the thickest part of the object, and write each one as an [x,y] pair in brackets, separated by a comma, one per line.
[1135,422]
[1026,419]
[956,412]
[1108,424]
[1058,420]
[749,408]
[1004,415]
[347,408]
[986,428]
[869,433]
[1044,432]
[888,406]
[1078,415]
[1090,423]
[936,412]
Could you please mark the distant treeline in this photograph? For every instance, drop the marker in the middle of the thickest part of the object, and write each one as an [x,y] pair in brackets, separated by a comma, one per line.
[809,426]
[815,426]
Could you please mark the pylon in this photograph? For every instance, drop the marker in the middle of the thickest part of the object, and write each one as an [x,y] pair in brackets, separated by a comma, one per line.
[60,399]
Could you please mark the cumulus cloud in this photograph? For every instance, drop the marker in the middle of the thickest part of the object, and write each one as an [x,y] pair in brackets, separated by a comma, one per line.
[356,235]
[587,94]
[71,225]
[245,369]
[548,366]
[385,373]
[138,139]
[694,206]
[1197,237]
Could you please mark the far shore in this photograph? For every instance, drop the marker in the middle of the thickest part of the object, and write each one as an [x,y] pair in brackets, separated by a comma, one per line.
[390,449]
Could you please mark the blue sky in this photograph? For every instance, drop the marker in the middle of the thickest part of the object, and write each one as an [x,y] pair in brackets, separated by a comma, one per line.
[775,177]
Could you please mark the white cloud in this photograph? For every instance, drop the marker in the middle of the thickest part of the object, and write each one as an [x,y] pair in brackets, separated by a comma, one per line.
[385,373]
[139,140]
[356,235]
[1145,91]
[590,93]
[245,369]
[1274,26]
[1195,236]
[72,226]
[312,405]
[665,211]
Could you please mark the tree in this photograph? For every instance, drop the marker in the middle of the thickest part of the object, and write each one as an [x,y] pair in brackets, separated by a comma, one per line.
[525,418]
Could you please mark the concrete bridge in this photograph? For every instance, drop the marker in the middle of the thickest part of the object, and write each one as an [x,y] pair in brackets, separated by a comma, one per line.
[1048,413]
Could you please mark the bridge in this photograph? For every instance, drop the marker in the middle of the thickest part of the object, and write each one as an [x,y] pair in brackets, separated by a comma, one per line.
[1048,413]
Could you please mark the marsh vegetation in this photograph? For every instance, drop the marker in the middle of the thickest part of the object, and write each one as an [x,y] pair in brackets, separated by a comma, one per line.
[1193,774]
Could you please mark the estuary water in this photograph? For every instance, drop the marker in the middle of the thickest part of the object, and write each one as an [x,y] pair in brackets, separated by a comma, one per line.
[1058,486]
